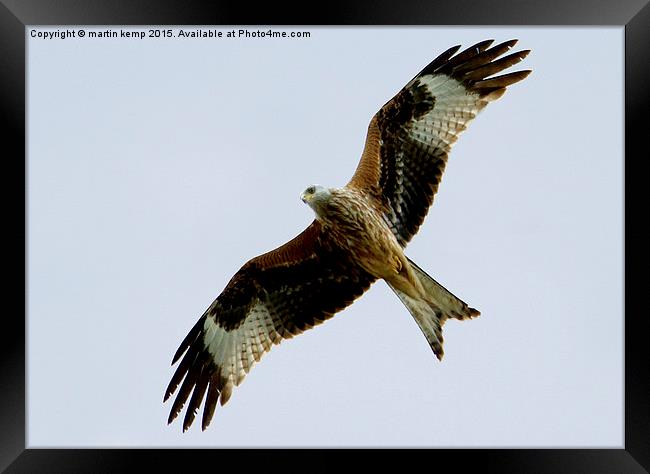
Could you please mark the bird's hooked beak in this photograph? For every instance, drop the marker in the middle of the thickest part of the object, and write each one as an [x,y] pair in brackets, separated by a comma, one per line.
[304,198]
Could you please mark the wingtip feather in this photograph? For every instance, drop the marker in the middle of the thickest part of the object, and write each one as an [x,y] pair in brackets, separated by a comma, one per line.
[172,416]
[211,400]
[191,336]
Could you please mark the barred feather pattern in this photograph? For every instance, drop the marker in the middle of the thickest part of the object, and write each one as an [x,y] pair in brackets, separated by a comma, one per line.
[410,138]
[261,306]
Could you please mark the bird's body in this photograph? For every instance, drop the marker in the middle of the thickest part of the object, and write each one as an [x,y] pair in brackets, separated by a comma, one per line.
[350,219]
[358,236]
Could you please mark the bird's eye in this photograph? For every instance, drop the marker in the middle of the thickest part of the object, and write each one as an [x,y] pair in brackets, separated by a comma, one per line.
[311,190]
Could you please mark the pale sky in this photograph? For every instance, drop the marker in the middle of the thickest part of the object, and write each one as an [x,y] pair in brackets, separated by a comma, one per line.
[158,166]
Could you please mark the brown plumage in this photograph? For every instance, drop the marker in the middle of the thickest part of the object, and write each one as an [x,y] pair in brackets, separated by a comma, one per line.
[358,236]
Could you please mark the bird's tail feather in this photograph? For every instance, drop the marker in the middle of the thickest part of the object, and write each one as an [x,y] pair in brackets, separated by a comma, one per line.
[432,312]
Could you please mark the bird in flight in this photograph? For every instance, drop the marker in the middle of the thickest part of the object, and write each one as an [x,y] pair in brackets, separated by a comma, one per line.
[357,237]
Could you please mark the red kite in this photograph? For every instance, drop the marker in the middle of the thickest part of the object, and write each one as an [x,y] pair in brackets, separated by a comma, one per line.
[357,237]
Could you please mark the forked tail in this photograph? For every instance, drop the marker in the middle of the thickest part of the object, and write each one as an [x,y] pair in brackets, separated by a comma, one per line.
[432,312]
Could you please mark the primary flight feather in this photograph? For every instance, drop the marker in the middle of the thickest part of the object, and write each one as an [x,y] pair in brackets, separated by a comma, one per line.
[357,237]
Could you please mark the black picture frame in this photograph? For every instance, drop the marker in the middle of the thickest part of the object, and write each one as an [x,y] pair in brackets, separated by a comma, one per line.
[634,15]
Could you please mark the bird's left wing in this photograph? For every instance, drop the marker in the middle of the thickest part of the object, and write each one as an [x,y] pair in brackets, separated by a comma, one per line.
[272,297]
[411,136]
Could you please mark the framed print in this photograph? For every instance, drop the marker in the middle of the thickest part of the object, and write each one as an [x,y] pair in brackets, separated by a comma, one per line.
[163,150]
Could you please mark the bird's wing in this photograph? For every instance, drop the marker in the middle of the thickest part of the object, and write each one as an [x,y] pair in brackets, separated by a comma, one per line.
[272,297]
[410,137]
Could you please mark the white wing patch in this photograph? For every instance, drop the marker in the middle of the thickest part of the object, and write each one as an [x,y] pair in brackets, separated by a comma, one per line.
[454,108]
[236,351]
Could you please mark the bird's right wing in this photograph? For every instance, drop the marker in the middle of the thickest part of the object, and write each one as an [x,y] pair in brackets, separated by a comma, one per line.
[410,137]
[272,297]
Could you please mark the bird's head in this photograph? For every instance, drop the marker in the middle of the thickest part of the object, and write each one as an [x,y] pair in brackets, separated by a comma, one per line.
[316,197]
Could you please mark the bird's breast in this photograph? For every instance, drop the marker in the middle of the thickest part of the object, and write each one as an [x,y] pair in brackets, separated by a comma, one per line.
[358,228]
